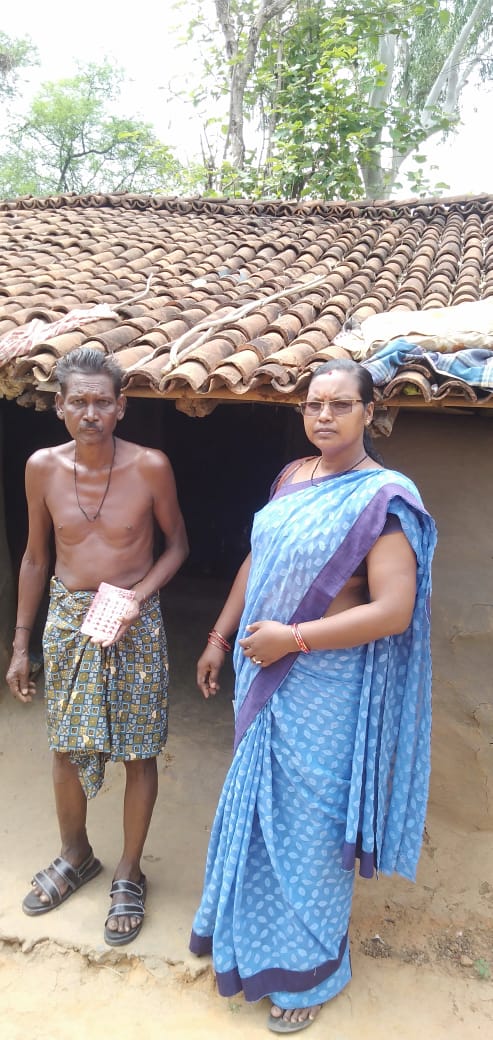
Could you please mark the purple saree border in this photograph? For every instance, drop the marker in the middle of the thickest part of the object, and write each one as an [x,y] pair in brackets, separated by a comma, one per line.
[271,980]
[351,851]
[331,579]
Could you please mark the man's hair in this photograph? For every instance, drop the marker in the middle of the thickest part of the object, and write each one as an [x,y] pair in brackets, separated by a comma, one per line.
[90,362]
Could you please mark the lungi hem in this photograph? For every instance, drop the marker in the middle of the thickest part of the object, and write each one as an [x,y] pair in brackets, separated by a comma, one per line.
[270,980]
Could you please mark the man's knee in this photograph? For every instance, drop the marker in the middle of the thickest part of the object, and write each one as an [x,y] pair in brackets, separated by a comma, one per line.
[141,768]
[61,761]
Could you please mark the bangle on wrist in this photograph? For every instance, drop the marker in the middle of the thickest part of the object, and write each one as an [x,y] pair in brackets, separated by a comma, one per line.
[25,628]
[216,639]
[300,642]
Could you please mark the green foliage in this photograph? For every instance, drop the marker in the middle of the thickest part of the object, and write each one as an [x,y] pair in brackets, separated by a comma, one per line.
[72,141]
[341,91]
[15,53]
[482,969]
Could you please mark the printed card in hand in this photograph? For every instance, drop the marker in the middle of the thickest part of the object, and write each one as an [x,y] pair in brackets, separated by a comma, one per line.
[103,618]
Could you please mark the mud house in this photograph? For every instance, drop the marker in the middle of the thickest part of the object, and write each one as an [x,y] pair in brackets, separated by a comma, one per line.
[210,305]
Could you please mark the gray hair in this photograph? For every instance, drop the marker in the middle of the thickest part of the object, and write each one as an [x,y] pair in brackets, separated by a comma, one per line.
[90,362]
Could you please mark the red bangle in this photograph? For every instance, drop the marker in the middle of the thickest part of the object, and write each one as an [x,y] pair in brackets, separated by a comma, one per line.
[218,640]
[299,639]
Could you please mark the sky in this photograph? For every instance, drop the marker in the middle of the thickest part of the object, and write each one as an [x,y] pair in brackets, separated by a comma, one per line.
[144,40]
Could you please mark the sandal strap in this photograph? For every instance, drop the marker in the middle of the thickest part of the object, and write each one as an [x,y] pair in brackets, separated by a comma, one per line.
[43,880]
[68,875]
[126,910]
[129,888]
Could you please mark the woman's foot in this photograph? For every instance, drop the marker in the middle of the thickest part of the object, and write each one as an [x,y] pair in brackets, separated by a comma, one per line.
[291,1020]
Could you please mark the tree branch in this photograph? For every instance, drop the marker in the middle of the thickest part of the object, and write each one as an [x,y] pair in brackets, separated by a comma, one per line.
[482,7]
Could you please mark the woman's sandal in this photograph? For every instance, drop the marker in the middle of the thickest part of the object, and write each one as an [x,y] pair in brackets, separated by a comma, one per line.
[279,1025]
[136,909]
[66,874]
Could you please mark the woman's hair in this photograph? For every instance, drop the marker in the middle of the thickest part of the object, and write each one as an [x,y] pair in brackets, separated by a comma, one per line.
[90,362]
[366,391]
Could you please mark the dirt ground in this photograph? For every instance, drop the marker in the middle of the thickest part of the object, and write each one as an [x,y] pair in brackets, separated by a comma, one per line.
[422,954]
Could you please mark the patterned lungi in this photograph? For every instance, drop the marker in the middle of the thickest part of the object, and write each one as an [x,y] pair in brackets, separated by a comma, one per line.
[104,702]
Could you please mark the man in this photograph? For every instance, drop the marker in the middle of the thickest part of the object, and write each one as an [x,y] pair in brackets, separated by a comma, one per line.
[106,697]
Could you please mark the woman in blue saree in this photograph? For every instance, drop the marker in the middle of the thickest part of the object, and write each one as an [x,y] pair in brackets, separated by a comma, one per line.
[332,711]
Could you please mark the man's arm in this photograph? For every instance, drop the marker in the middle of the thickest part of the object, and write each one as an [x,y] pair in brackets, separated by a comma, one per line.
[32,576]
[167,514]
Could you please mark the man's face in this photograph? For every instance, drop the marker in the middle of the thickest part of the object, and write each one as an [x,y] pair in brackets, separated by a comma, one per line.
[90,408]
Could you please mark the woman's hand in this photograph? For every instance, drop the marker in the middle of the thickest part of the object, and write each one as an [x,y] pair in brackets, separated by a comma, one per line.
[209,665]
[267,641]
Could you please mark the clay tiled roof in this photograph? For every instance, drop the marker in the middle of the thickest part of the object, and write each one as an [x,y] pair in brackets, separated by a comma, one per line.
[218,299]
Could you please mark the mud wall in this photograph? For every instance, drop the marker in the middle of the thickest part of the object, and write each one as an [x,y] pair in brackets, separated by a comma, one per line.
[451,460]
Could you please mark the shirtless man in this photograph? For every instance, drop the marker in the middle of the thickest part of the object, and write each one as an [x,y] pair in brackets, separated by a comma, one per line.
[106,699]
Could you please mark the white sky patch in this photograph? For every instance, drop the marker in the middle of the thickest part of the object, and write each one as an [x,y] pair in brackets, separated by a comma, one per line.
[144,40]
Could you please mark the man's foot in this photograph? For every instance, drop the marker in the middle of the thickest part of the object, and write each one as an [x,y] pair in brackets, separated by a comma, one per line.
[61,879]
[292,1020]
[126,915]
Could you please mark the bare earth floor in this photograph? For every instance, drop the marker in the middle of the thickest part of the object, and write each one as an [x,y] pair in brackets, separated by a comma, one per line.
[422,954]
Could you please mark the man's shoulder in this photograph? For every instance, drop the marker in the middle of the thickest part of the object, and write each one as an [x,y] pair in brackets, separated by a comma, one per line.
[139,455]
[48,458]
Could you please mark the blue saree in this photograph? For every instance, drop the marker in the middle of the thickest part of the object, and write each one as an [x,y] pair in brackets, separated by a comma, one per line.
[332,749]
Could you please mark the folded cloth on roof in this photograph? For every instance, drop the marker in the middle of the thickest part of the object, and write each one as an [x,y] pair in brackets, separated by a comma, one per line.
[474,367]
[21,340]
[445,329]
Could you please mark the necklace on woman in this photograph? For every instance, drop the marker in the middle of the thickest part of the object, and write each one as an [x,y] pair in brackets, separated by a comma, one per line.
[343,472]
[91,519]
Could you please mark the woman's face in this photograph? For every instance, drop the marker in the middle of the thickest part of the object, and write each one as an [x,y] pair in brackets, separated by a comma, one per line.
[327,430]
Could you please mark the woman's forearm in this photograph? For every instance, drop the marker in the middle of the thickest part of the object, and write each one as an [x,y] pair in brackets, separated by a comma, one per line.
[229,618]
[355,626]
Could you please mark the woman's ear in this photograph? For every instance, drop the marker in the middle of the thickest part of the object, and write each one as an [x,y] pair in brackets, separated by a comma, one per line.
[369,410]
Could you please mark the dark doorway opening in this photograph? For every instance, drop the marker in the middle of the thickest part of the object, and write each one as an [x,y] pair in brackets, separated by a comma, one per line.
[224,466]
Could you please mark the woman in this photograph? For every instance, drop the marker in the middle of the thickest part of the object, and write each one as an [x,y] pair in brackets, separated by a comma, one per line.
[332,711]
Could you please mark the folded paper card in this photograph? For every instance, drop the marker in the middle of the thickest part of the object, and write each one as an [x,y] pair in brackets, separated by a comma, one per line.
[104,616]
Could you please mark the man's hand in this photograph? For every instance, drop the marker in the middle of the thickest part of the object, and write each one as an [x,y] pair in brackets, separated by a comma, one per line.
[21,686]
[127,618]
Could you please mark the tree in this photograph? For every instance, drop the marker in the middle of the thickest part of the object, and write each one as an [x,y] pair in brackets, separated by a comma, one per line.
[15,53]
[424,72]
[71,141]
[342,92]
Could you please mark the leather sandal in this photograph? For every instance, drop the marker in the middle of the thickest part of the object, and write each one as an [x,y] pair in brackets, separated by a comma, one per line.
[65,874]
[125,909]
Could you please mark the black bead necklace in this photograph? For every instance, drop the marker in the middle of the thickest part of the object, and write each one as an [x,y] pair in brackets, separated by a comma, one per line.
[342,472]
[91,519]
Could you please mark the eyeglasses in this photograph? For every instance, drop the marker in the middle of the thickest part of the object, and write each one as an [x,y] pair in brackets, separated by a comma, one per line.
[336,407]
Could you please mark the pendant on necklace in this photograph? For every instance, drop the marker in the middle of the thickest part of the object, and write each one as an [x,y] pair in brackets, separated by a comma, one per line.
[92,519]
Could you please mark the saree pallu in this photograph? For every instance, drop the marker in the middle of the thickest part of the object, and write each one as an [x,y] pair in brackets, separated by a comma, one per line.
[103,702]
[331,750]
